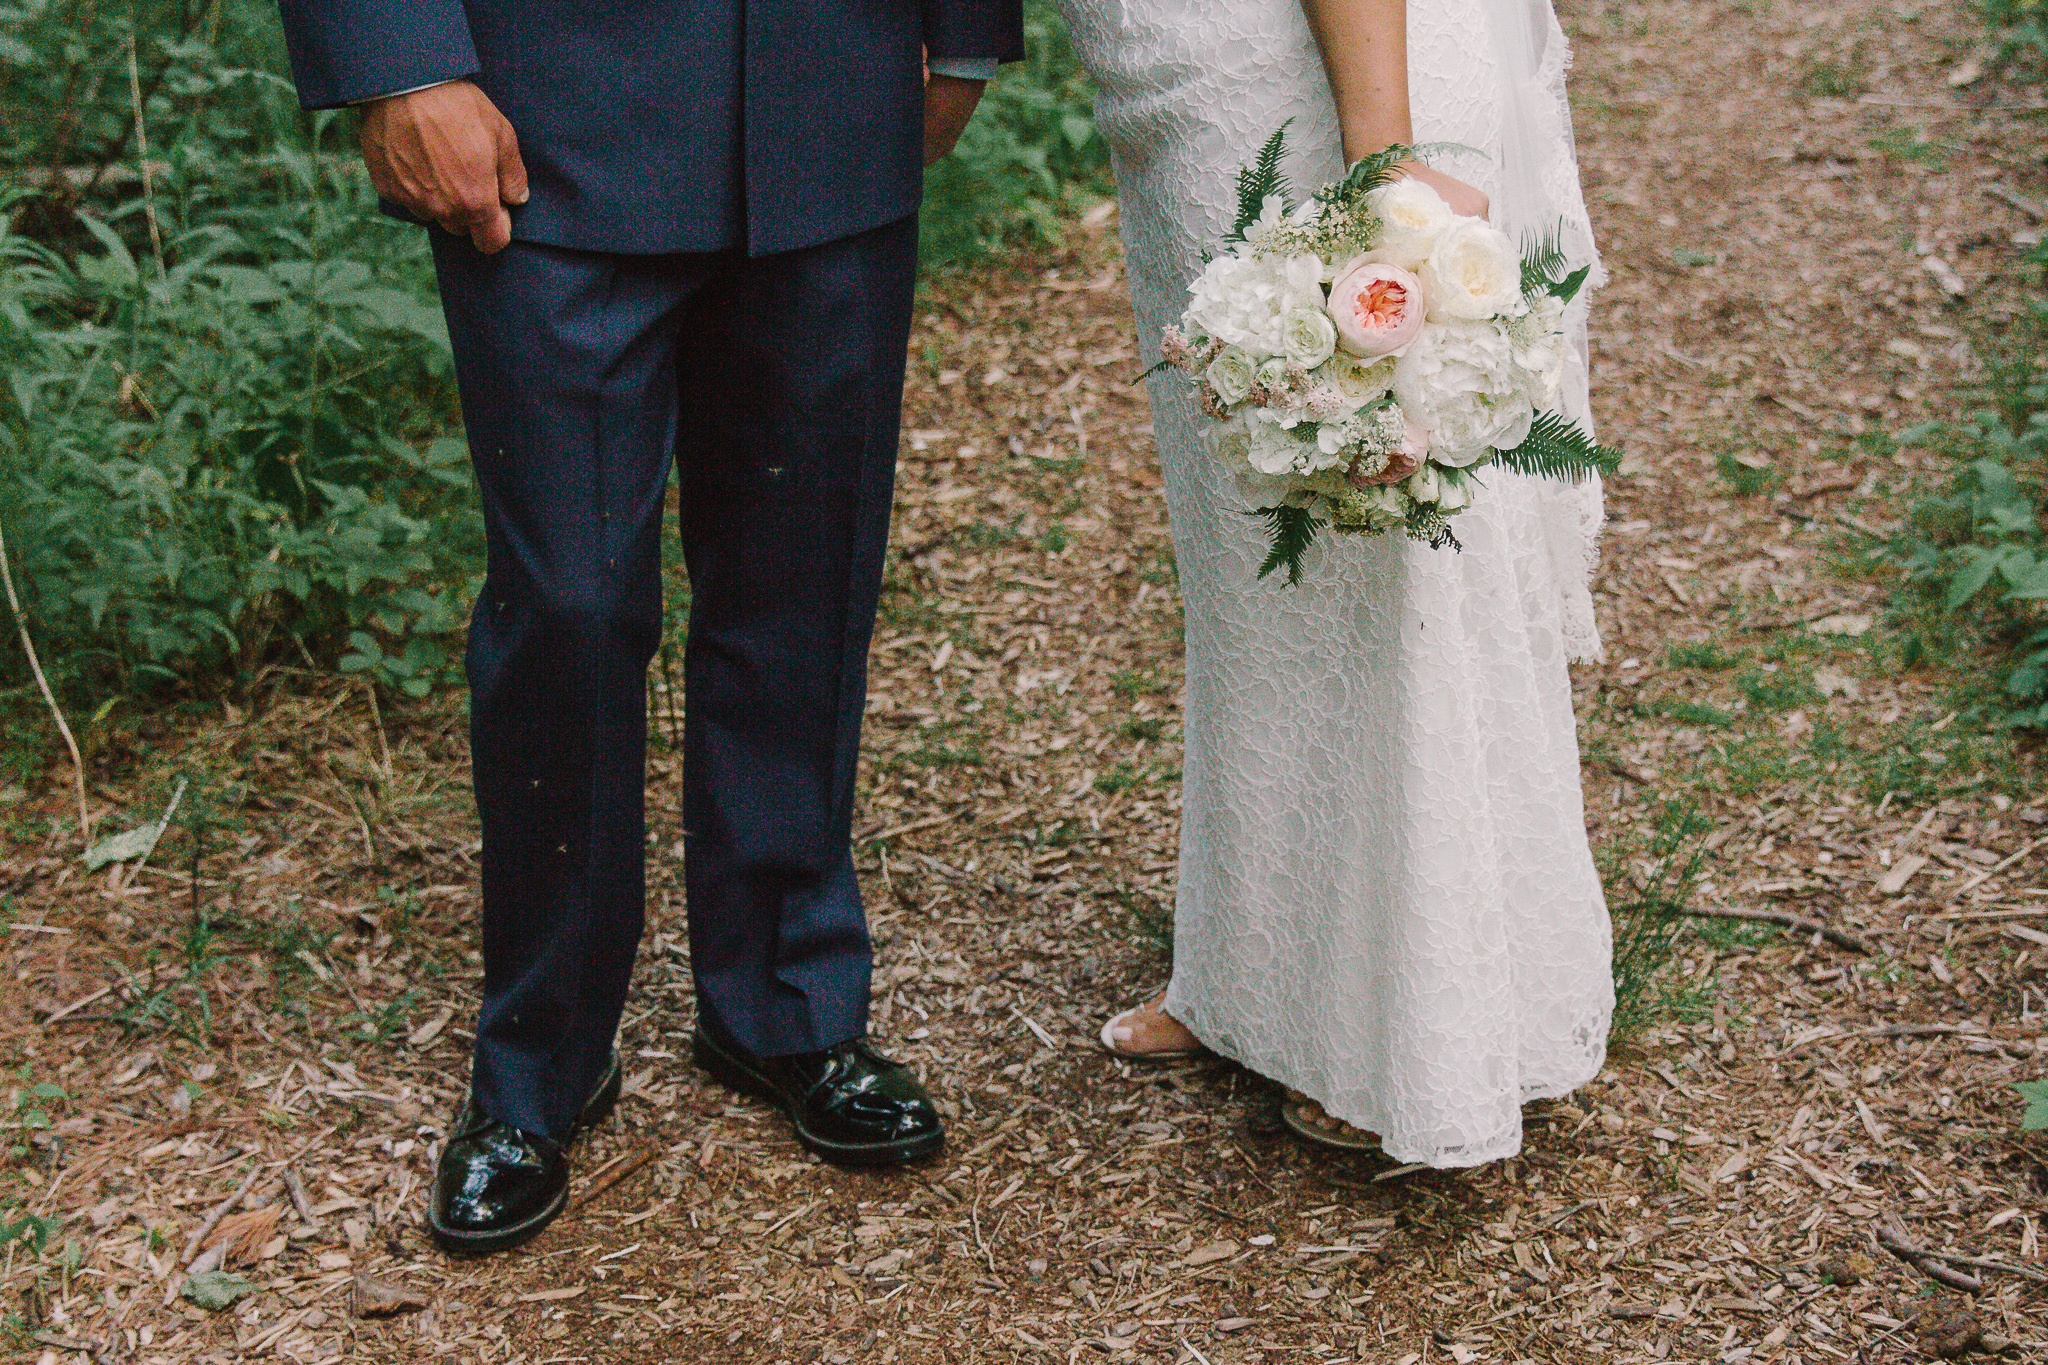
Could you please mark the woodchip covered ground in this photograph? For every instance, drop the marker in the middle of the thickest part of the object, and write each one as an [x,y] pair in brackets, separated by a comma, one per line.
[1794,204]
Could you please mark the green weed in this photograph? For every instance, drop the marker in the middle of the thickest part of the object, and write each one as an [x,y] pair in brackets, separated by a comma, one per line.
[1834,80]
[381,1025]
[1777,691]
[1702,654]
[1651,881]
[1747,476]
[1148,728]
[1692,712]
[1907,146]
[1131,684]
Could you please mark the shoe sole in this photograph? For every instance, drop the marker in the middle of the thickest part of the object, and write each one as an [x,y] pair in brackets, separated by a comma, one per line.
[596,1111]
[498,1239]
[731,1071]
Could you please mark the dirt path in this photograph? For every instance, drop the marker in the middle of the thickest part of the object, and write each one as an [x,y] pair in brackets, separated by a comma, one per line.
[1776,306]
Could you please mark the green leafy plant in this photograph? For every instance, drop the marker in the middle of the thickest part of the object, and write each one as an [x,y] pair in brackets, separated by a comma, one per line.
[2035,1117]
[1029,160]
[1976,552]
[2022,30]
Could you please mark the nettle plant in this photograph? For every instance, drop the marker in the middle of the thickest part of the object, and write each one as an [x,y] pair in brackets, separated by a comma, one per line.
[1978,549]
[216,447]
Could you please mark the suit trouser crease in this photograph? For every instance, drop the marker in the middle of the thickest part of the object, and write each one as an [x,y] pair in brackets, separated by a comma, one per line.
[775,384]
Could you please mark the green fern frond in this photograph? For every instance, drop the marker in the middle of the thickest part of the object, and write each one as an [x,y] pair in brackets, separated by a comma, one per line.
[1368,173]
[1559,449]
[1259,180]
[1543,259]
[1289,531]
[1543,266]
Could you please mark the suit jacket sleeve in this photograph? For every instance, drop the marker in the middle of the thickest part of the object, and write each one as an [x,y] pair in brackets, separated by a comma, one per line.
[347,51]
[974,28]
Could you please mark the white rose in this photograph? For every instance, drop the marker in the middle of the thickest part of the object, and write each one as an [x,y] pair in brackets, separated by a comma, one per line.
[1272,373]
[1409,205]
[1357,379]
[1309,336]
[1454,497]
[1472,272]
[1230,374]
[1425,484]
[1411,215]
[1460,383]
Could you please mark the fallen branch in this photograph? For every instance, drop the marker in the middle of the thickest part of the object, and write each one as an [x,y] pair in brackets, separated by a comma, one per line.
[35,666]
[2006,194]
[1990,1263]
[146,974]
[1888,1031]
[220,1211]
[616,1174]
[1839,937]
[1893,1237]
[296,1188]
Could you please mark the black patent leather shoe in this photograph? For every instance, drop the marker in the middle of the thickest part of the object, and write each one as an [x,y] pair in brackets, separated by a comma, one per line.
[496,1186]
[850,1104]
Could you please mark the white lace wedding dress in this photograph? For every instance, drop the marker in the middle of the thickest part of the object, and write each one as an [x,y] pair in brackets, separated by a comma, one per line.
[1386,897]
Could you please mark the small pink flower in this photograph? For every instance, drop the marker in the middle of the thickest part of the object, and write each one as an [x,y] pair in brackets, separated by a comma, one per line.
[1377,307]
[1406,459]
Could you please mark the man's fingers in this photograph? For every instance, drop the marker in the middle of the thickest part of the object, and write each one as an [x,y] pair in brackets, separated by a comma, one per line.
[447,155]
[493,234]
[511,166]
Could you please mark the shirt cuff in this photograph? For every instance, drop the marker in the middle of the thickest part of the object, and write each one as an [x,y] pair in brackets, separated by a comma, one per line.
[394,94]
[965,68]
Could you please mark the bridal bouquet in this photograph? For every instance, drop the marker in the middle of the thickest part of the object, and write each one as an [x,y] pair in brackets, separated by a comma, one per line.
[1367,353]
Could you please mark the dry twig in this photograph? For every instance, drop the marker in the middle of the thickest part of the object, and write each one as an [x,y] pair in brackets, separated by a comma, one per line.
[1839,937]
[35,666]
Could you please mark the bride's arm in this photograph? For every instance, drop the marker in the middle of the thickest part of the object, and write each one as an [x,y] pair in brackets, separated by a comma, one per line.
[1365,52]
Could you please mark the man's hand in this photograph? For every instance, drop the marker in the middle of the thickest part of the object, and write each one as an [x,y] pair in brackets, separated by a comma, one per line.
[948,104]
[447,155]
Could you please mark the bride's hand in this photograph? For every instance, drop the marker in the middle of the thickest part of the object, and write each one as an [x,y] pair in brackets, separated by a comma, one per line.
[1462,198]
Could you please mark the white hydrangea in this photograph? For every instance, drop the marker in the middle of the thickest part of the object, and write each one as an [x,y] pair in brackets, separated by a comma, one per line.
[1244,300]
[1461,384]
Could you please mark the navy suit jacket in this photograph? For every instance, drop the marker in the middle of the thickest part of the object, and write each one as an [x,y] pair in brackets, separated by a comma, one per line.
[674,125]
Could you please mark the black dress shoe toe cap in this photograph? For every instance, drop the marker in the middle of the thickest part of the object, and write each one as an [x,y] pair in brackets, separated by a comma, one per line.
[496,1186]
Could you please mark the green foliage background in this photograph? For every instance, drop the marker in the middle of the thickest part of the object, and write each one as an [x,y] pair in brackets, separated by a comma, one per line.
[1974,552]
[228,435]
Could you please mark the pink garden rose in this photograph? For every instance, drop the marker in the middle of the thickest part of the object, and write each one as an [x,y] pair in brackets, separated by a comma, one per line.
[1406,459]
[1378,308]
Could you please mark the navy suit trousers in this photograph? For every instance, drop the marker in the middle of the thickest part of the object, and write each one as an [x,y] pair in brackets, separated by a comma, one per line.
[775,384]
